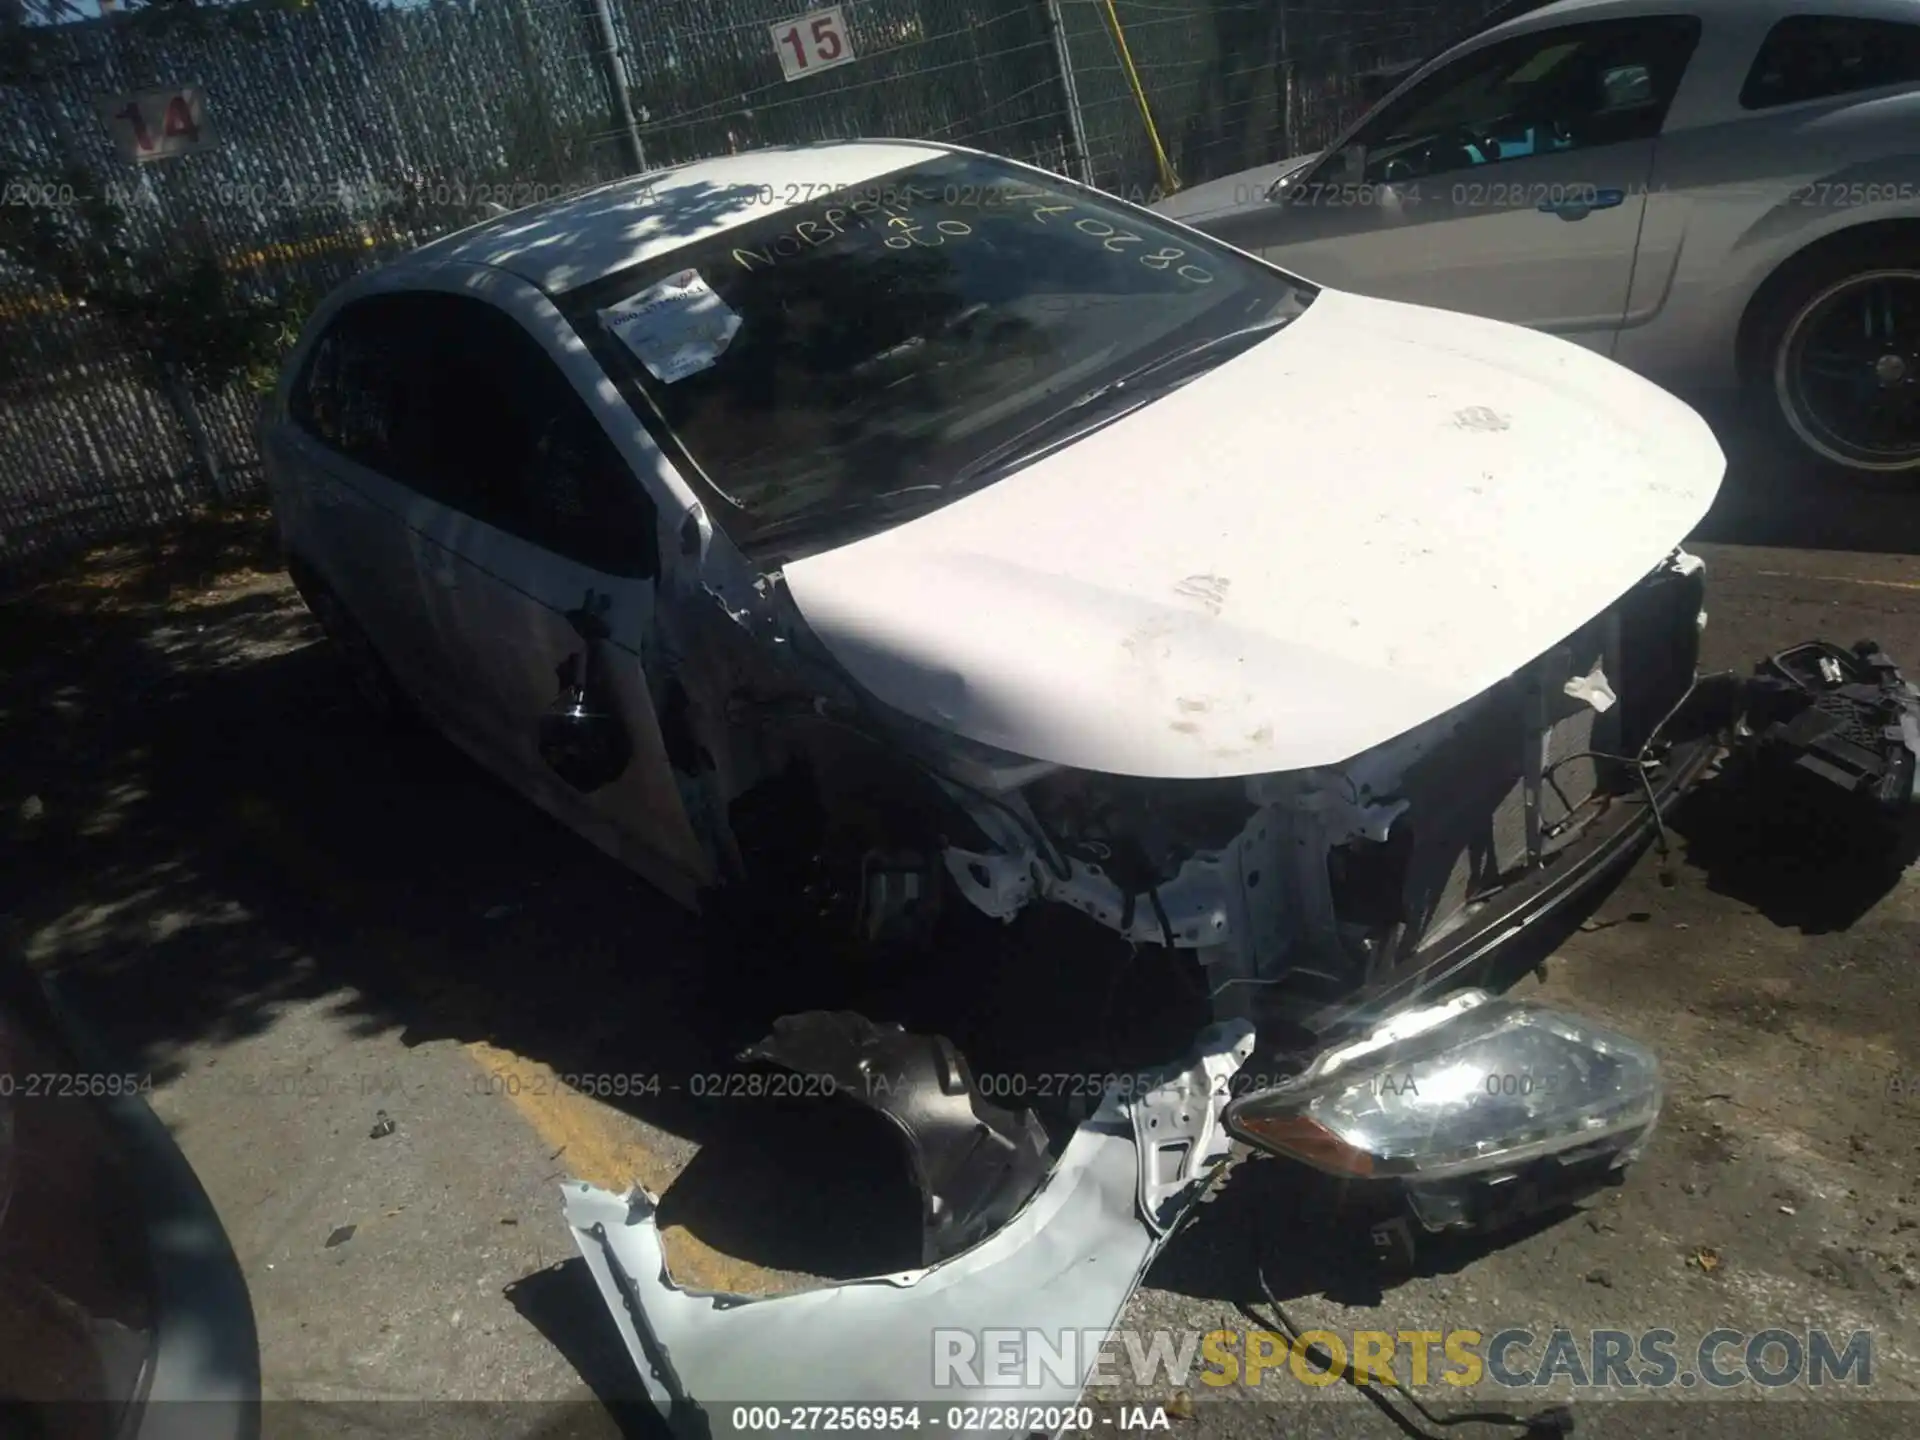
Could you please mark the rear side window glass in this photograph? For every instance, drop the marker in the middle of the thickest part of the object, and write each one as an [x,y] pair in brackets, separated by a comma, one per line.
[314,400]
[450,397]
[1812,57]
[350,392]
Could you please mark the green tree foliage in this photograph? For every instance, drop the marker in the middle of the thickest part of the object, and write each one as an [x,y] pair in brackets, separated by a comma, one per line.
[192,327]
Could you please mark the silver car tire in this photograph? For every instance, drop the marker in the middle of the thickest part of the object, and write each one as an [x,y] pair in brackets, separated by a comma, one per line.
[1808,373]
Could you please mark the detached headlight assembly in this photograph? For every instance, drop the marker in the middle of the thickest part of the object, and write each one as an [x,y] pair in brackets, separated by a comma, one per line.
[1475,1087]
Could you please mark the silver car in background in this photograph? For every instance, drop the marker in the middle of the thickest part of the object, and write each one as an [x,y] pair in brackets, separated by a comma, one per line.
[1719,194]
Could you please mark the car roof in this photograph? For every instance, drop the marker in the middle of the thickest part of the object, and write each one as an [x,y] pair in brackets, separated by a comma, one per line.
[1557,10]
[564,244]
[1519,17]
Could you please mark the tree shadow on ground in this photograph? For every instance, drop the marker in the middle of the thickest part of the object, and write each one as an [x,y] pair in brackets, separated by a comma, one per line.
[563,1304]
[200,827]
[1309,1234]
[1803,858]
[1773,497]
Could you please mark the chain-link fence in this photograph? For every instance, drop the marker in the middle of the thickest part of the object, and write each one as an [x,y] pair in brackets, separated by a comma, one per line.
[349,130]
[346,132]
[707,79]
[1230,84]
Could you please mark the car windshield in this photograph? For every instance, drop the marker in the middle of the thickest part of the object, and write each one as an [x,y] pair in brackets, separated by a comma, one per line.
[830,369]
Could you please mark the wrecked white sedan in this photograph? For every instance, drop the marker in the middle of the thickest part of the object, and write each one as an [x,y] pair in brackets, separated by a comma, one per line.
[910,525]
[887,534]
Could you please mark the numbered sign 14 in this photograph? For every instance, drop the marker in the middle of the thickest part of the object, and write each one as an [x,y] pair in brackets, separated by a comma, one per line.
[817,40]
[157,124]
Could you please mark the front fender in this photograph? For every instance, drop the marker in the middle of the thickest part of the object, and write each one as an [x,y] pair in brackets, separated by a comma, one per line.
[1845,199]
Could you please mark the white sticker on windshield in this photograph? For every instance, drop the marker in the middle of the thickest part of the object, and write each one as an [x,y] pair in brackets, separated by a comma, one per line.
[677,328]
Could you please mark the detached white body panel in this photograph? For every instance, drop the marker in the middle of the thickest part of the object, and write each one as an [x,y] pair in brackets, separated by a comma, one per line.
[1064,1266]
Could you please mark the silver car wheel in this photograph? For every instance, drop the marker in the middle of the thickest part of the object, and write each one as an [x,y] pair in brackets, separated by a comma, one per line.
[1846,373]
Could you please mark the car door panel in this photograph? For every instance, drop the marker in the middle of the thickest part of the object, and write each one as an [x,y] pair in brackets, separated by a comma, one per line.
[1509,182]
[1547,241]
[353,523]
[1663,232]
[506,618]
[531,514]
[370,524]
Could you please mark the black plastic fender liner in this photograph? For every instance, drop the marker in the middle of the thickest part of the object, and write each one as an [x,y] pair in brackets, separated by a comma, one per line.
[975,1163]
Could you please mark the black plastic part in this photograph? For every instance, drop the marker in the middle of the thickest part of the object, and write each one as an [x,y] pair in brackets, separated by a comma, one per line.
[1661,618]
[1403,1215]
[974,1163]
[1509,921]
[583,741]
[581,736]
[1489,1204]
[1844,720]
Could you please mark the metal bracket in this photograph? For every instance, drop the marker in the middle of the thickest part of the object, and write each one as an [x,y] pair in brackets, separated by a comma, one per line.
[1176,1130]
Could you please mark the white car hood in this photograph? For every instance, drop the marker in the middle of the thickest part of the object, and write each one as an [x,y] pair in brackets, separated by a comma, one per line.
[1345,531]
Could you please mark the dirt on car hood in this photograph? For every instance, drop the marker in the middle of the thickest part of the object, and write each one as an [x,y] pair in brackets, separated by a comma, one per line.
[1349,529]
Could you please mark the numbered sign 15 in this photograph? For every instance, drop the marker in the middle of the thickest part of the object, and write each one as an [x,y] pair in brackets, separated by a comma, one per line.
[814,41]
[157,124]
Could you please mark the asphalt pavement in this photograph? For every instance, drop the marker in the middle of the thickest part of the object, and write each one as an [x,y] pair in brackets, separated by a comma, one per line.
[388,1007]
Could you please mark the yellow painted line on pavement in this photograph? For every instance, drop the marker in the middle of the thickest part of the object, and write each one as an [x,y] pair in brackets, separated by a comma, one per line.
[587,1140]
[1839,579]
[597,1143]
[586,1136]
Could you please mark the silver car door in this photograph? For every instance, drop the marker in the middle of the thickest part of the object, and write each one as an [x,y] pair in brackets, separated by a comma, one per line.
[1508,182]
[538,517]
